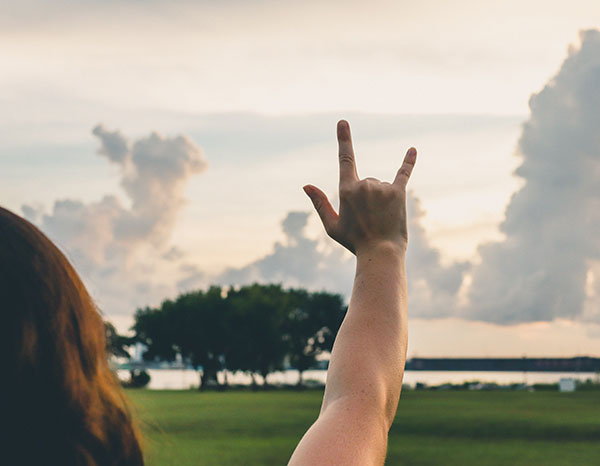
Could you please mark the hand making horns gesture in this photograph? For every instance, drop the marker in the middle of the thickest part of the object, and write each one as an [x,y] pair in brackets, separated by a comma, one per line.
[372,212]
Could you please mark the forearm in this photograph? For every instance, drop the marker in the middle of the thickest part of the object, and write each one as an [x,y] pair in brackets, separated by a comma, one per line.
[369,354]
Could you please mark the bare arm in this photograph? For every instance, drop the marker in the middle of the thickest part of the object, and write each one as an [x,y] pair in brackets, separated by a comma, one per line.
[368,357]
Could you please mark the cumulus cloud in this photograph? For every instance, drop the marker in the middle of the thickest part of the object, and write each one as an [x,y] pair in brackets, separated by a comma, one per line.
[114,145]
[117,247]
[153,174]
[321,264]
[546,267]
[297,261]
[123,252]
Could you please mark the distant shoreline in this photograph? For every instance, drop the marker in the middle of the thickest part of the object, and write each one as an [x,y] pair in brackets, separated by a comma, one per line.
[575,364]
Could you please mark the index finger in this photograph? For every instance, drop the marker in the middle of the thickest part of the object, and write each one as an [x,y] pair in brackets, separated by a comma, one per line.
[346,153]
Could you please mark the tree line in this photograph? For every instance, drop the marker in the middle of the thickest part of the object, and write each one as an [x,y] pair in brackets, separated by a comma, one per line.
[256,329]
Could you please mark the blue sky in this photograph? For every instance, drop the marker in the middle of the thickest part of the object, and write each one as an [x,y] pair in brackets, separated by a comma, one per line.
[257,88]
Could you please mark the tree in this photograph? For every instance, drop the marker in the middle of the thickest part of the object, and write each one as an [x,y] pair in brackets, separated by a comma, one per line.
[311,325]
[193,326]
[116,344]
[155,329]
[251,329]
[258,313]
[202,332]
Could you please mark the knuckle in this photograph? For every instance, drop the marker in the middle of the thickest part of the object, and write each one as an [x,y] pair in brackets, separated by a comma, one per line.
[346,158]
[346,190]
[364,186]
[404,171]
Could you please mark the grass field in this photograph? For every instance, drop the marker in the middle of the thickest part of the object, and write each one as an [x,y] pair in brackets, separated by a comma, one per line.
[431,428]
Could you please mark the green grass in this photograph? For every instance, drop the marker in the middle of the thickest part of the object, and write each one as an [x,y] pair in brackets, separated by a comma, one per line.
[431,428]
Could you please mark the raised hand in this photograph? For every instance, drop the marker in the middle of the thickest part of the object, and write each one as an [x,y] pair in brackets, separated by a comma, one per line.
[372,212]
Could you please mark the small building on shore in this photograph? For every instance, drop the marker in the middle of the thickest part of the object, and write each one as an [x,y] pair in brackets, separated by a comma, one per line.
[566,385]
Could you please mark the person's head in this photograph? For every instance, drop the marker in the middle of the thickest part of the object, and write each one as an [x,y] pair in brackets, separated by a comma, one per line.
[60,404]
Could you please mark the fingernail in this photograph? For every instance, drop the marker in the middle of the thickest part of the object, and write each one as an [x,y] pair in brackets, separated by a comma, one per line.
[343,130]
[412,153]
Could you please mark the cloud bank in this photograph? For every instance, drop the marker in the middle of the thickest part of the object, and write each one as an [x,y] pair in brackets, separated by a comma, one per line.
[123,250]
[547,266]
[116,247]
[321,264]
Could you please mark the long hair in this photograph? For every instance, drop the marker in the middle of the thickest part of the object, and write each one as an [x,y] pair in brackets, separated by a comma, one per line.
[60,404]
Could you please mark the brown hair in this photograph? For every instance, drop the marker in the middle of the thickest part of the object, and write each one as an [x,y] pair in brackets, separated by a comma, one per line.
[60,403]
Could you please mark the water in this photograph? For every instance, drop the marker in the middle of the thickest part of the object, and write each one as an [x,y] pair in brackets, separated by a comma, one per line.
[177,379]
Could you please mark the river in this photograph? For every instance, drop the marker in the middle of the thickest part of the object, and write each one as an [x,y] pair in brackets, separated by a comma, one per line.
[182,379]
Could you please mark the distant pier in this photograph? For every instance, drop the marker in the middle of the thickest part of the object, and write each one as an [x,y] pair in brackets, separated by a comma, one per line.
[577,364]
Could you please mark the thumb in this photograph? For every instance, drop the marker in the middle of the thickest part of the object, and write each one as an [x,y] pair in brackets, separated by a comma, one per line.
[322,206]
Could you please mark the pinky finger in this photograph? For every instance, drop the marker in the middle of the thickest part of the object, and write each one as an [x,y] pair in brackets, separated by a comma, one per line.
[407,167]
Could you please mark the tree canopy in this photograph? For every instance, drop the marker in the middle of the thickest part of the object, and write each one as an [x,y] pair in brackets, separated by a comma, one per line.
[256,329]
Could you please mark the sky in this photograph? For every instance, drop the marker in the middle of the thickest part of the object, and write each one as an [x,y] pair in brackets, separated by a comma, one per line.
[163,145]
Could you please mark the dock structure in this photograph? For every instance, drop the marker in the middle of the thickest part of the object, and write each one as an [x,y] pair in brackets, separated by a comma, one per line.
[576,364]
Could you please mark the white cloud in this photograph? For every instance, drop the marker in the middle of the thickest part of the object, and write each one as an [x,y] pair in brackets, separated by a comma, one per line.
[234,215]
[538,272]
[298,261]
[321,264]
[116,247]
[552,225]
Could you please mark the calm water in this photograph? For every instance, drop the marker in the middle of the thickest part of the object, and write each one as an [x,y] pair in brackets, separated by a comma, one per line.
[173,379]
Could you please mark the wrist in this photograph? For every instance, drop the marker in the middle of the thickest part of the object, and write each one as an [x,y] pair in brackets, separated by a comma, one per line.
[384,248]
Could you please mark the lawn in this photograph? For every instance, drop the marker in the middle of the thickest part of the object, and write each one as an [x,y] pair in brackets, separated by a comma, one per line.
[431,428]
